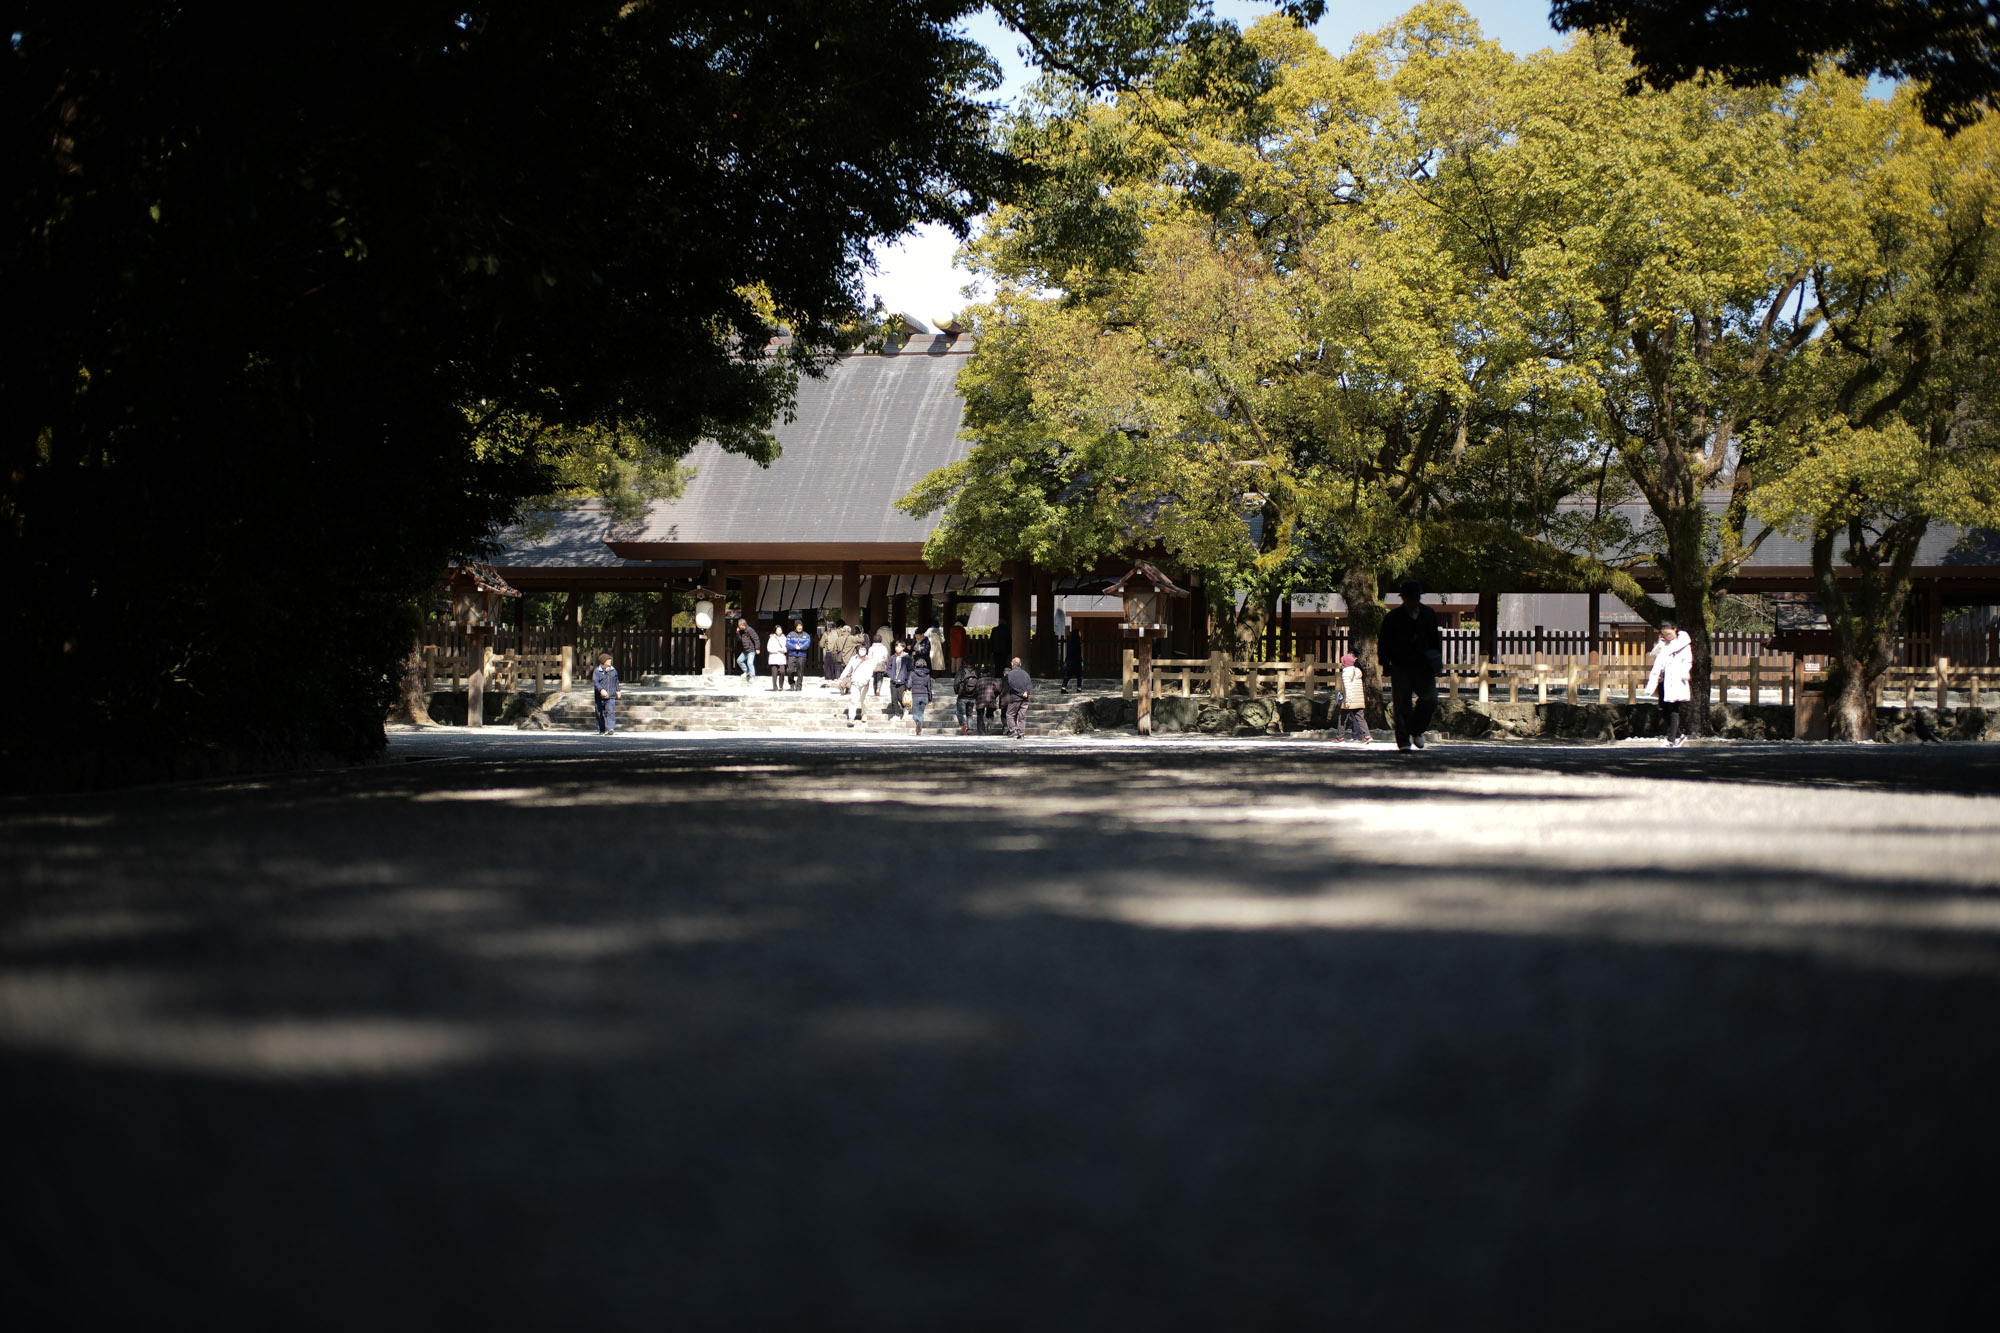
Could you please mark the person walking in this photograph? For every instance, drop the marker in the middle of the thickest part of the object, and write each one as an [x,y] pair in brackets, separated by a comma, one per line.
[604,689]
[746,651]
[955,640]
[1353,701]
[883,639]
[965,690]
[774,649]
[920,680]
[987,693]
[797,644]
[836,646]
[1670,678]
[1018,685]
[848,683]
[899,674]
[1411,648]
[1073,657]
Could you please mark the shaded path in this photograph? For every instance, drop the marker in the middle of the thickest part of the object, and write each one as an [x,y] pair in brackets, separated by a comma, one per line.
[707,1034]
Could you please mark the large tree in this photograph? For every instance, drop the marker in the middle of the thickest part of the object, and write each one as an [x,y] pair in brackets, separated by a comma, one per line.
[309,299]
[1892,419]
[1948,49]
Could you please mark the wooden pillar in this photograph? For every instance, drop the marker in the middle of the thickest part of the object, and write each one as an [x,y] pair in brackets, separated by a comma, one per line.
[1042,655]
[481,643]
[1596,625]
[752,589]
[872,611]
[899,614]
[1142,667]
[1017,610]
[714,653]
[926,612]
[1287,649]
[1199,645]
[850,592]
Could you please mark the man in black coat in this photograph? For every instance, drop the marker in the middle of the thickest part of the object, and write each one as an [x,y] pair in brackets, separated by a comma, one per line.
[1412,653]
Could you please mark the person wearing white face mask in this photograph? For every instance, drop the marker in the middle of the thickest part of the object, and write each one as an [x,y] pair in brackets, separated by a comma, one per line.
[1670,676]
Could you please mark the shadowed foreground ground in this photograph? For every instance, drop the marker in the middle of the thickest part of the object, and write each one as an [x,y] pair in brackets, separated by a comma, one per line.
[659,1033]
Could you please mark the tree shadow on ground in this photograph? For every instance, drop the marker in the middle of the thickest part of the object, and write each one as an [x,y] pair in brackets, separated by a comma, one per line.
[650,1044]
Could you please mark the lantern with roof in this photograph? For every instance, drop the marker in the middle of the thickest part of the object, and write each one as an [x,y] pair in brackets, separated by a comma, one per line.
[1145,591]
[475,590]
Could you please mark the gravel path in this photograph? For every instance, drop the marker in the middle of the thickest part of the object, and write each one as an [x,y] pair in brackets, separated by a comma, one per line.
[547,1031]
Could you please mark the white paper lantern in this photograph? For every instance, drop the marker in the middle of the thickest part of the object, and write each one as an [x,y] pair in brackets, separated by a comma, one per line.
[704,614]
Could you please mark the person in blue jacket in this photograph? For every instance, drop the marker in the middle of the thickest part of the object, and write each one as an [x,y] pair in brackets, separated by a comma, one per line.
[797,644]
[604,691]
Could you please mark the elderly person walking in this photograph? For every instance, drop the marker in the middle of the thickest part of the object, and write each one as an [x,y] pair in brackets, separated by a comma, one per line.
[797,644]
[1353,701]
[1017,685]
[1670,678]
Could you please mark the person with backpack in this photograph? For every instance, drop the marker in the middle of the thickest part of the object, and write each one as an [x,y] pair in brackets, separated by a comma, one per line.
[987,693]
[965,689]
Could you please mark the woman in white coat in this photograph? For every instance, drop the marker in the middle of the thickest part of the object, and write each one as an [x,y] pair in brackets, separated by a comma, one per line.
[774,648]
[1673,666]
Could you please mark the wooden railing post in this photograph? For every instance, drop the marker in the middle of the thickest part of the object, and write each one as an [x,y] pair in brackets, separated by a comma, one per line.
[1127,683]
[1483,687]
[1943,683]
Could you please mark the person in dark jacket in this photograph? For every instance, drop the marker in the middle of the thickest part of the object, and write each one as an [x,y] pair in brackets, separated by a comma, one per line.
[920,680]
[1073,657]
[899,676]
[747,644]
[1018,683]
[965,688]
[1412,652]
[986,695]
[604,692]
[797,644]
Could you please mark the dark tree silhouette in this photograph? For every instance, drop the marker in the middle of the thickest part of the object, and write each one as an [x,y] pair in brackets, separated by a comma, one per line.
[1950,48]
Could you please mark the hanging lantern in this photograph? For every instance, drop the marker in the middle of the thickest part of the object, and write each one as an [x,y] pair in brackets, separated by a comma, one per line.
[704,613]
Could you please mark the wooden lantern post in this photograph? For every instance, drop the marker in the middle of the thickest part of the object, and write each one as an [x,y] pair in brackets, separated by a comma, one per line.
[1145,591]
[476,590]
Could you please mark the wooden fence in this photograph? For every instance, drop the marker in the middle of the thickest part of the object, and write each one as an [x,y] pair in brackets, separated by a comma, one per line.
[1751,678]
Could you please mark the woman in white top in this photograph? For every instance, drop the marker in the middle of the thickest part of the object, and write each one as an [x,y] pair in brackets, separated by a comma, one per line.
[774,648]
[1673,667]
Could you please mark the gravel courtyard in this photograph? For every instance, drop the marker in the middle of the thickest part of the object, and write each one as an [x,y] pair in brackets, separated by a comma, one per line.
[552,1031]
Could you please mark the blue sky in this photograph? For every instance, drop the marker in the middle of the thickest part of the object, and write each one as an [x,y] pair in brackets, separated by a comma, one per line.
[916,275]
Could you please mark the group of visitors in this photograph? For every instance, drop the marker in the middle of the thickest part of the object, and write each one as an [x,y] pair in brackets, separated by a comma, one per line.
[1410,646]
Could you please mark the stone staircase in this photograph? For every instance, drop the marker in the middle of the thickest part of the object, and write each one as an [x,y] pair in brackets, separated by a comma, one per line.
[687,705]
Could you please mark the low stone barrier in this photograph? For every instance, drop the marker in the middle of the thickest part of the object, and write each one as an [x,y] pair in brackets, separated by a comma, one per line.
[1240,715]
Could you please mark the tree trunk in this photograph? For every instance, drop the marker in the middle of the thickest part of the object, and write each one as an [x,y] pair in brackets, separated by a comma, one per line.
[413,695]
[1851,711]
[1364,625]
[1489,625]
[1251,623]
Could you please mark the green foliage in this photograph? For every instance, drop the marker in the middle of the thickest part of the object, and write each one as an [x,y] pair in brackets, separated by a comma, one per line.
[264,265]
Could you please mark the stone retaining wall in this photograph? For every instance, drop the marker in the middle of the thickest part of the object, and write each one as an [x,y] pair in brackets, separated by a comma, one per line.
[1239,715]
